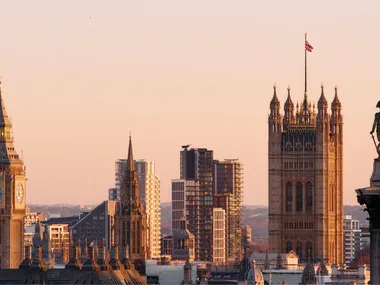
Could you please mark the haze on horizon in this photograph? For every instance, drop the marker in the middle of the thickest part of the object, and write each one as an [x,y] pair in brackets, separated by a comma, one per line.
[77,78]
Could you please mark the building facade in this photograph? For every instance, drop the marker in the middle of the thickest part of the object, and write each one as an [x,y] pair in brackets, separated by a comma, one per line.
[247,234]
[150,196]
[12,196]
[185,211]
[32,217]
[130,218]
[352,231]
[197,163]
[97,227]
[59,238]
[228,195]
[219,236]
[305,153]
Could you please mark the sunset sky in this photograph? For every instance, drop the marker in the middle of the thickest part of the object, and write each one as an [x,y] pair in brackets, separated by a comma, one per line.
[79,75]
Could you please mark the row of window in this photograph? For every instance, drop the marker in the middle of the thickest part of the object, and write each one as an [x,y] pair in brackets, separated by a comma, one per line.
[299,226]
[299,165]
[299,203]
[302,250]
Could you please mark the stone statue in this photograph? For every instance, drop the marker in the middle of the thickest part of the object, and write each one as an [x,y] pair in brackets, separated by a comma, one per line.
[376,124]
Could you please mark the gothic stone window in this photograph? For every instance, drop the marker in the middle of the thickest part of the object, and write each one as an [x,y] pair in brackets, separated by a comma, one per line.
[309,249]
[309,189]
[289,196]
[299,196]
[299,249]
[289,246]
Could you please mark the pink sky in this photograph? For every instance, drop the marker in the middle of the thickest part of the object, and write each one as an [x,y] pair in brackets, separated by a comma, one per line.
[174,73]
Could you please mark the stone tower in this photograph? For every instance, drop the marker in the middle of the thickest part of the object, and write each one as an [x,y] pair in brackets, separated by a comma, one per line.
[12,196]
[305,154]
[130,219]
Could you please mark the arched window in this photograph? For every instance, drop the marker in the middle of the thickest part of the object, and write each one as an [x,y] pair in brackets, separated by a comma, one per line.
[289,197]
[309,188]
[299,195]
[289,246]
[309,249]
[299,250]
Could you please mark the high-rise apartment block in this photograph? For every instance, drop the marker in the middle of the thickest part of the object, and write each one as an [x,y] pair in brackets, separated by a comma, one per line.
[352,231]
[198,164]
[149,184]
[12,196]
[228,195]
[305,153]
[219,236]
[185,209]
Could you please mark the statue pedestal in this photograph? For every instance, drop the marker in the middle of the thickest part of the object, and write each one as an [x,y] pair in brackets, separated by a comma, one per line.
[370,196]
[375,178]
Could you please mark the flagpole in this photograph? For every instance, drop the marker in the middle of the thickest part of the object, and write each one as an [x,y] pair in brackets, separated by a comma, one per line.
[305,64]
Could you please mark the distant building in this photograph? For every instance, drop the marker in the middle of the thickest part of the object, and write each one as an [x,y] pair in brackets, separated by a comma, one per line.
[364,239]
[247,233]
[186,210]
[95,227]
[219,236]
[32,217]
[167,245]
[197,163]
[113,194]
[149,185]
[28,234]
[352,232]
[228,195]
[183,243]
[59,237]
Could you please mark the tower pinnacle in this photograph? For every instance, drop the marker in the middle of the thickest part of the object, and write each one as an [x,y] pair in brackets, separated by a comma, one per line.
[131,165]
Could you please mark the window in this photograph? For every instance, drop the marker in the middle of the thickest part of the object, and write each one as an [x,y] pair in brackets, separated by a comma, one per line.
[309,249]
[309,188]
[289,246]
[289,197]
[299,197]
[299,250]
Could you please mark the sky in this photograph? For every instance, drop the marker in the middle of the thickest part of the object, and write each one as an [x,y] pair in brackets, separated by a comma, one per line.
[78,76]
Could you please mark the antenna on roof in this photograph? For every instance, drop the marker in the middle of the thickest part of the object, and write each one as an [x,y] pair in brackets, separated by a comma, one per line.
[185,147]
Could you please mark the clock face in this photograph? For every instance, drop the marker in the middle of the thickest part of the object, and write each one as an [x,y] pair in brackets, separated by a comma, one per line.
[19,193]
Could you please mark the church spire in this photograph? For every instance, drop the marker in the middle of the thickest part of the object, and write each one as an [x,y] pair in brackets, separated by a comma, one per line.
[131,164]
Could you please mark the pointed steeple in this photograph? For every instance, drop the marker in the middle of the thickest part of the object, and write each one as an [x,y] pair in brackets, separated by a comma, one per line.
[289,111]
[131,164]
[322,104]
[336,101]
[274,100]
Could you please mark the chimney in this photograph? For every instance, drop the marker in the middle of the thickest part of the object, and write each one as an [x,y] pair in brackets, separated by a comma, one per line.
[28,257]
[74,261]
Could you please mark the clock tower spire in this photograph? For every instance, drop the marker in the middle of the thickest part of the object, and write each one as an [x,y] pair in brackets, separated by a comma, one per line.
[12,195]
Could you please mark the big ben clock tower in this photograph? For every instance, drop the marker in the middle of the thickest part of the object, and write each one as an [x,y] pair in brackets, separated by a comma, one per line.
[12,196]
